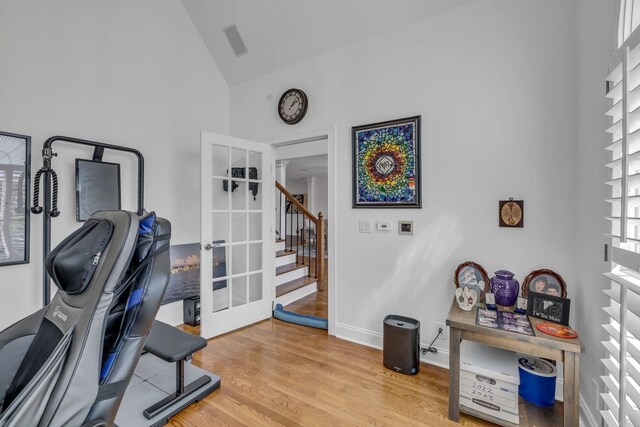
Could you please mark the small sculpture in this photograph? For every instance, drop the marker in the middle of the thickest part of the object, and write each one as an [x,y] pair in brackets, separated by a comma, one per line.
[466,298]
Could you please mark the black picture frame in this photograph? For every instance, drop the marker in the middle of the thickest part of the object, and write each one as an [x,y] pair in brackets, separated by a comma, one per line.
[548,307]
[10,143]
[80,207]
[411,175]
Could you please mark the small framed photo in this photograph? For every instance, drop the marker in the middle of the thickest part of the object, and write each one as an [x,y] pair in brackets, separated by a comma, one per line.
[471,275]
[521,305]
[544,281]
[490,301]
[548,307]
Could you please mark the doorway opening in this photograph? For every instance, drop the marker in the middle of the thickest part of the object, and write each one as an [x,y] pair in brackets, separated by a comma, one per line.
[304,224]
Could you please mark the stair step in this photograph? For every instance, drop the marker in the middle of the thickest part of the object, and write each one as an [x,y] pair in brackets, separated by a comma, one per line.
[291,286]
[284,253]
[288,267]
[279,240]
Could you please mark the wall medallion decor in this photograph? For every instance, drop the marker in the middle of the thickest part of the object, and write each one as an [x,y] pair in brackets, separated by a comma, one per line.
[511,213]
[15,166]
[386,164]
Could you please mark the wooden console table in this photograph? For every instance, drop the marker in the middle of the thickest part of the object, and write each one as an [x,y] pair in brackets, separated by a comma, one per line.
[462,326]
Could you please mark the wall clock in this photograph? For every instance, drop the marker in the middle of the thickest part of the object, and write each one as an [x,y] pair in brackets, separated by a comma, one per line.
[512,213]
[292,106]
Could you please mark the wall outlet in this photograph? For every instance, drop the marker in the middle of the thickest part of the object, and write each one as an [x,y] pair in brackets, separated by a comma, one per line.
[445,331]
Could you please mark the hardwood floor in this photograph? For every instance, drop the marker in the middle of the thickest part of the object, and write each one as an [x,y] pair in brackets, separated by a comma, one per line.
[279,374]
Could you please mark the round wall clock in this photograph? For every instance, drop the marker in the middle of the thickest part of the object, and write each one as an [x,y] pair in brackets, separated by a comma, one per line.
[293,106]
[511,213]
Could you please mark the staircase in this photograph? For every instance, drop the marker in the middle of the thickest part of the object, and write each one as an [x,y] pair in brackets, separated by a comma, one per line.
[298,269]
[292,278]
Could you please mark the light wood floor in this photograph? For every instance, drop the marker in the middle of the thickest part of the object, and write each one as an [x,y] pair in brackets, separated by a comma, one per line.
[280,374]
[277,373]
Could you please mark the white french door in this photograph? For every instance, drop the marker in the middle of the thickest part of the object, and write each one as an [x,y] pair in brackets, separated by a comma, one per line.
[236,263]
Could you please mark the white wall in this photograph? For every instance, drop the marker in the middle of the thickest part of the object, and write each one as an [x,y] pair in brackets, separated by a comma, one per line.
[597,38]
[321,196]
[494,82]
[127,73]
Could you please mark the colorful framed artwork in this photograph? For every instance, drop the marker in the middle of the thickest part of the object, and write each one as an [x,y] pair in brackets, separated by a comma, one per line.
[386,164]
[15,166]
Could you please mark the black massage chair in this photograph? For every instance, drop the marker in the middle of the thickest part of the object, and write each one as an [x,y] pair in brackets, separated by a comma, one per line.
[69,363]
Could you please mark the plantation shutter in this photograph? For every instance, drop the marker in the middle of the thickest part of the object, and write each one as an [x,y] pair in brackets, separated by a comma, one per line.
[622,360]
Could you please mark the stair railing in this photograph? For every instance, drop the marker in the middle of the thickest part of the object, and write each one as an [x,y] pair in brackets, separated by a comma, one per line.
[296,224]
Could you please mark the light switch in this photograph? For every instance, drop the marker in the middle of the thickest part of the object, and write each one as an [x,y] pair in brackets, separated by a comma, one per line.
[384,226]
[365,226]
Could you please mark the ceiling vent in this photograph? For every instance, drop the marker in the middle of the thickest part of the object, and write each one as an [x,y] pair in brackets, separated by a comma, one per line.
[233,35]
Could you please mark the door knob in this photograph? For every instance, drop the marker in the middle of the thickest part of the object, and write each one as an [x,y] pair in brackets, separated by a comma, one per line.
[208,247]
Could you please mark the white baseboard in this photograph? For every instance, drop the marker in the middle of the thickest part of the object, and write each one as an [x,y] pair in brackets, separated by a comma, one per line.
[374,339]
[441,359]
[171,314]
[587,418]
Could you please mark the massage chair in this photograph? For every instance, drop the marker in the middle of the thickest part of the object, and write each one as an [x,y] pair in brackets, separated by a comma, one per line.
[69,363]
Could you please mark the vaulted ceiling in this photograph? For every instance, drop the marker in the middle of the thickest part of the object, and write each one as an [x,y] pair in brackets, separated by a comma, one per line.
[279,33]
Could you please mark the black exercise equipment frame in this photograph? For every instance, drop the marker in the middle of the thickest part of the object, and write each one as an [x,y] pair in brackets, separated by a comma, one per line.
[50,210]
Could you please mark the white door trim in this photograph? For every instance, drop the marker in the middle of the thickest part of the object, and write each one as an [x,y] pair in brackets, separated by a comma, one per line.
[331,134]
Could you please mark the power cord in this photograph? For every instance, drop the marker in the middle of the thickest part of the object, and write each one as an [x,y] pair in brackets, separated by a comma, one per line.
[431,348]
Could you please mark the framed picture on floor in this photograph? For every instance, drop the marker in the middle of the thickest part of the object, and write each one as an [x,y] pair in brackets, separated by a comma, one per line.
[386,164]
[15,166]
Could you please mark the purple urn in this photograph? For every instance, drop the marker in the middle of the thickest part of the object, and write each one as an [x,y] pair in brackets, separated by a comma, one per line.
[505,287]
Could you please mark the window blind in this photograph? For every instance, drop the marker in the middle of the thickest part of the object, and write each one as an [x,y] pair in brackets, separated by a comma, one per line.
[621,363]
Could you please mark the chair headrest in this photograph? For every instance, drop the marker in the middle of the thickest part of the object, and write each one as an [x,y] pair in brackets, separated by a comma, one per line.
[72,263]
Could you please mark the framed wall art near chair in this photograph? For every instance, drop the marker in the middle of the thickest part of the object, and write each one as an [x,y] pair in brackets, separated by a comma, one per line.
[15,167]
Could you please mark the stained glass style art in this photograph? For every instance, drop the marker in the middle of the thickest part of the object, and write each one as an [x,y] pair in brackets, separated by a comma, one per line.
[386,169]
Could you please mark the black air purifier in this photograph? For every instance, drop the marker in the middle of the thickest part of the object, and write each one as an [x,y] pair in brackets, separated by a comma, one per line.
[401,344]
[191,311]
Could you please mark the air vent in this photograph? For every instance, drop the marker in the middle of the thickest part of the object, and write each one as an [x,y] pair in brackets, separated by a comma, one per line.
[233,35]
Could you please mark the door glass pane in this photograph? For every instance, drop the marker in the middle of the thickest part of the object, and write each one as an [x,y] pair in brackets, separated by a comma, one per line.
[219,255]
[239,259]
[219,196]
[255,287]
[219,160]
[255,196]
[239,163]
[220,295]
[255,256]
[220,227]
[255,226]
[239,226]
[255,161]
[239,196]
[239,291]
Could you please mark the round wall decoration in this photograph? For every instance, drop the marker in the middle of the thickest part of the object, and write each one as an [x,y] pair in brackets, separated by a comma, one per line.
[292,106]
